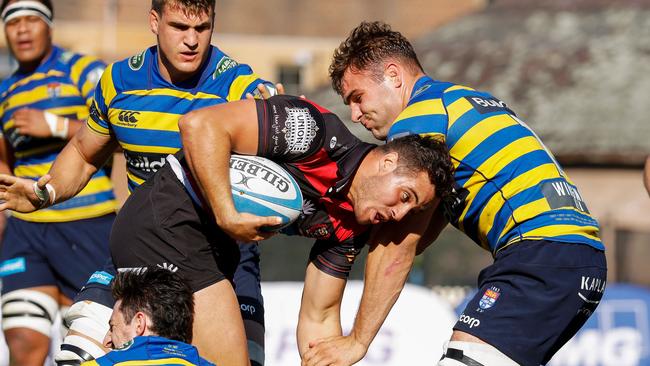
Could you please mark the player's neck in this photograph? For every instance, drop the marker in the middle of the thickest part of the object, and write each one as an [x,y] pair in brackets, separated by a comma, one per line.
[409,85]
[31,66]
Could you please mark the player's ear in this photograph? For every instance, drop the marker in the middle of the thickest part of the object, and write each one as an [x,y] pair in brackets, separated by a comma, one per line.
[393,74]
[154,20]
[140,320]
[388,162]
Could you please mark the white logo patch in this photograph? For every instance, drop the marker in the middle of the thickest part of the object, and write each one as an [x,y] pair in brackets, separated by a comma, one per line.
[300,129]
[333,142]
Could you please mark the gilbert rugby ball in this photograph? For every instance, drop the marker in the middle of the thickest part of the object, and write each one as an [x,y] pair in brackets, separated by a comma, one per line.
[263,188]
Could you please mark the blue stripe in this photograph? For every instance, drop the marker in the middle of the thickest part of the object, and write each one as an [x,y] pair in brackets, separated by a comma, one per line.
[37,159]
[501,218]
[40,82]
[99,174]
[144,137]
[419,125]
[82,201]
[132,185]
[471,118]
[161,103]
[551,218]
[72,101]
[493,144]
[512,170]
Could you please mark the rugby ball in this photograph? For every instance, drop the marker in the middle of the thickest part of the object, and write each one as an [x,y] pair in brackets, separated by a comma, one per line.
[263,188]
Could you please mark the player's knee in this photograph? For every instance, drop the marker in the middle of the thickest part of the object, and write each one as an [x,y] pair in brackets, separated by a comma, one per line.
[88,322]
[458,353]
[29,309]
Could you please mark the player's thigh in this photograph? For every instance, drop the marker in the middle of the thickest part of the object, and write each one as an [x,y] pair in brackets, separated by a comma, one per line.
[218,326]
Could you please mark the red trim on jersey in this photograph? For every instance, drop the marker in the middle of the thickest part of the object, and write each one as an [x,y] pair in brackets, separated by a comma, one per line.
[319,170]
[320,109]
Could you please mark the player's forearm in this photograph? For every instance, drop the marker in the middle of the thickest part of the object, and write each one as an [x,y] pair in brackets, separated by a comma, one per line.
[387,269]
[315,326]
[77,162]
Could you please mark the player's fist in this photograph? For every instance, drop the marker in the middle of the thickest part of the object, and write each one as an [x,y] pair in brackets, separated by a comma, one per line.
[247,227]
[31,122]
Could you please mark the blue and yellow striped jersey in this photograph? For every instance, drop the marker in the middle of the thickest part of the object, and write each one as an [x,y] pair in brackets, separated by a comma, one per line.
[509,185]
[141,109]
[152,350]
[64,85]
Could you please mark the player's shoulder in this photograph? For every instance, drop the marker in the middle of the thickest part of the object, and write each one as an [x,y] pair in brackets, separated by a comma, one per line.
[71,59]
[225,67]
[131,72]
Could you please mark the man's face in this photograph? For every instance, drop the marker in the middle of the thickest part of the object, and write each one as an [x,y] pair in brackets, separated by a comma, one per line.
[29,38]
[183,39]
[372,103]
[389,196]
[120,330]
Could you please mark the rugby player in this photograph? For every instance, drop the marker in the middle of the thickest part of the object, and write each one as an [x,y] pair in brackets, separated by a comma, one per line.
[137,106]
[511,197]
[46,255]
[151,321]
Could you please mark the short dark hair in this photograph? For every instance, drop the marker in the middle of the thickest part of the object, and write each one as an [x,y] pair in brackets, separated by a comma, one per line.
[47,3]
[160,294]
[424,154]
[194,7]
[367,47]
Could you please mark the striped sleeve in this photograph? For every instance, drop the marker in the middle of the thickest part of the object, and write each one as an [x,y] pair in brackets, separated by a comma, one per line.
[104,93]
[86,73]
[244,81]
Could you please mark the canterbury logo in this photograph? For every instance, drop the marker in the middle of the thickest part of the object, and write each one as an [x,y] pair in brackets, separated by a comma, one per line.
[128,116]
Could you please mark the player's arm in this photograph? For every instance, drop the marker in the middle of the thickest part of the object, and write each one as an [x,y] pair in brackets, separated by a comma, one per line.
[320,308]
[69,174]
[208,136]
[393,247]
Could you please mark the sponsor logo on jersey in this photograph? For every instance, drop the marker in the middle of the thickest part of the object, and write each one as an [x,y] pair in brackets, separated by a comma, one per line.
[333,142]
[224,65]
[490,297]
[168,266]
[136,61]
[488,105]
[471,322]
[255,170]
[320,231]
[560,193]
[299,130]
[94,113]
[247,308]
[124,346]
[145,163]
[101,277]
[12,266]
[422,89]
[128,117]
[308,208]
[53,90]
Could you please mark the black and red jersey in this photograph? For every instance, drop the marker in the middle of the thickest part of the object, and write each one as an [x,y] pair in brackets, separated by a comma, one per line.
[317,149]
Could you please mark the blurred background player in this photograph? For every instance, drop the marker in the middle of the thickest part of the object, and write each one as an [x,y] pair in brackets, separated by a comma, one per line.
[47,255]
[512,199]
[646,175]
[137,105]
[151,321]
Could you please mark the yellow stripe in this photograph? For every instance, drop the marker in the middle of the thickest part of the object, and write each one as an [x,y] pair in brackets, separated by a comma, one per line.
[93,126]
[106,83]
[74,110]
[56,146]
[37,94]
[35,77]
[135,179]
[458,87]
[516,185]
[523,213]
[33,170]
[149,149]
[478,133]
[425,107]
[239,85]
[590,232]
[96,185]
[73,214]
[90,363]
[172,93]
[162,361]
[79,67]
[157,121]
[457,109]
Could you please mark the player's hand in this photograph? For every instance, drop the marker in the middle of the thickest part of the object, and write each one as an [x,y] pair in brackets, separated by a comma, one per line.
[265,92]
[31,122]
[246,227]
[18,194]
[334,351]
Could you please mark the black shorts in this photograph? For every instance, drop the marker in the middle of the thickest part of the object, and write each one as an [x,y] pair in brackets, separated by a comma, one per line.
[159,225]
[535,297]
